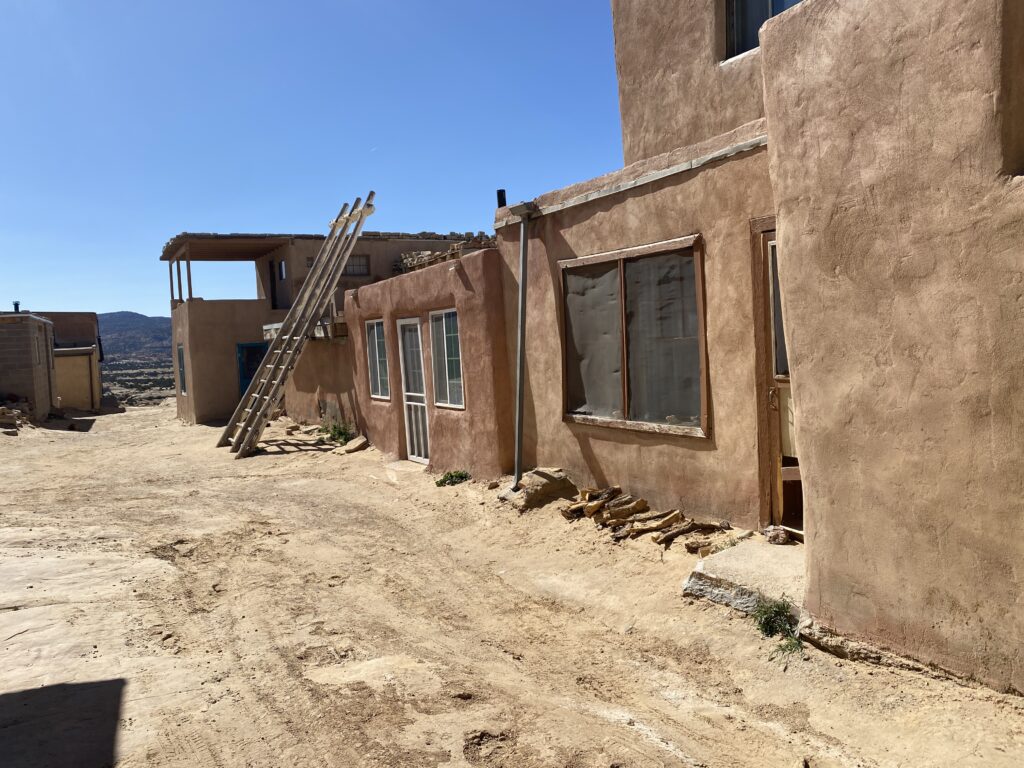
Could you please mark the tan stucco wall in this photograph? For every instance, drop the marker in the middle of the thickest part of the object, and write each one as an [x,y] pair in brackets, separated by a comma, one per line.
[211,331]
[478,438]
[902,269]
[78,379]
[674,88]
[73,329]
[714,478]
[321,386]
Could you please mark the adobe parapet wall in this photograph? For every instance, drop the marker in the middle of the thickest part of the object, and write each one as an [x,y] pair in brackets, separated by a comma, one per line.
[902,266]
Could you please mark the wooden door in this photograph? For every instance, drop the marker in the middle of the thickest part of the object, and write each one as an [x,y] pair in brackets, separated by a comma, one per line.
[779,465]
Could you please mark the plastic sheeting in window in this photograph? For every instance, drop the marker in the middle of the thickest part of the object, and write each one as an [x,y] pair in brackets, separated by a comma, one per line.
[662,330]
[593,341]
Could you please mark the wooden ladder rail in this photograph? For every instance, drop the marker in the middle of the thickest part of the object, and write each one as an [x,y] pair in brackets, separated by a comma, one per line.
[273,352]
[266,389]
[245,442]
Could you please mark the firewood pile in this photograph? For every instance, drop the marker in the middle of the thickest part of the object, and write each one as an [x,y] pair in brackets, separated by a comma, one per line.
[629,517]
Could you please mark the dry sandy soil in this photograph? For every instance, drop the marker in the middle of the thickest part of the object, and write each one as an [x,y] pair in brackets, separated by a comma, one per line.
[302,608]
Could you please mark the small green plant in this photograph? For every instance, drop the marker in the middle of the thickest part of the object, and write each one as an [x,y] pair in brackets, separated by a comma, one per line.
[453,478]
[774,618]
[338,433]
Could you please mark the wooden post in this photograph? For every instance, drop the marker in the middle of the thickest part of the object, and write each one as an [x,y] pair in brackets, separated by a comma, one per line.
[178,264]
[188,270]
[170,278]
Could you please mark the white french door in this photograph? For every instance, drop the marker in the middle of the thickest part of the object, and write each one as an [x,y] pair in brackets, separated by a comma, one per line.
[414,393]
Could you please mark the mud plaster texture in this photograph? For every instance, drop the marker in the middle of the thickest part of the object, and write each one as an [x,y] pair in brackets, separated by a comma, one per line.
[210,332]
[674,88]
[321,387]
[714,478]
[902,266]
[477,438]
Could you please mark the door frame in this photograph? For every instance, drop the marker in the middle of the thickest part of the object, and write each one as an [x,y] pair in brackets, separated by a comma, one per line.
[415,322]
[769,438]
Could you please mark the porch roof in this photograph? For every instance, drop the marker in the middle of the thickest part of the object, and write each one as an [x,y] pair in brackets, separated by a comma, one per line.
[210,246]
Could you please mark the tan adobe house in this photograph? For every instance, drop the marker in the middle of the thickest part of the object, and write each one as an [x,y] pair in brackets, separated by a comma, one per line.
[78,352]
[26,362]
[219,344]
[801,302]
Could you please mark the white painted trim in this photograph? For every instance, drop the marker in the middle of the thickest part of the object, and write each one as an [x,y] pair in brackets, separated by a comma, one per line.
[433,358]
[367,325]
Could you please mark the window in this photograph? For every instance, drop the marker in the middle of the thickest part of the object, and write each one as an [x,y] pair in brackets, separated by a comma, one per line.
[447,358]
[780,355]
[744,20]
[358,265]
[377,353]
[634,339]
[282,270]
[182,386]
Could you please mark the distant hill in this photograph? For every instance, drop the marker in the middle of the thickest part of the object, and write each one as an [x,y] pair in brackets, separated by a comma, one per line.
[129,335]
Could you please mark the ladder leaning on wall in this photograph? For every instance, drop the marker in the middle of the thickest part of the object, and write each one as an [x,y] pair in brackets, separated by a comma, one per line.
[267,387]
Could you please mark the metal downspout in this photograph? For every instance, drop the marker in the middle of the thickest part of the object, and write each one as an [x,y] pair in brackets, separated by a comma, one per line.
[524,211]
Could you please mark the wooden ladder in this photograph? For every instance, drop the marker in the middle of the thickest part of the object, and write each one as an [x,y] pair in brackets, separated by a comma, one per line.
[267,387]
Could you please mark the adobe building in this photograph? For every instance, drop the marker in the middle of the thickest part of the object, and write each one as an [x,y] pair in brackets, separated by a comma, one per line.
[78,352]
[800,302]
[218,345]
[26,362]
[432,382]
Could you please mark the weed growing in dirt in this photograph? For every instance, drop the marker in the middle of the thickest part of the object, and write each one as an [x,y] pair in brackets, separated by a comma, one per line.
[339,433]
[453,478]
[774,618]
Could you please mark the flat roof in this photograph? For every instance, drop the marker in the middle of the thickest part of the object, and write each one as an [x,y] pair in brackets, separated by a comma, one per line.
[238,246]
[11,317]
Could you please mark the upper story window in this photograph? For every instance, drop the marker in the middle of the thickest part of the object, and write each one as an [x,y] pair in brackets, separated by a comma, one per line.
[358,265]
[282,270]
[745,17]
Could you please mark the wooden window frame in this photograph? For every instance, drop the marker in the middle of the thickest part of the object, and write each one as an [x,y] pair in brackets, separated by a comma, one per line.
[345,272]
[444,352]
[369,370]
[695,243]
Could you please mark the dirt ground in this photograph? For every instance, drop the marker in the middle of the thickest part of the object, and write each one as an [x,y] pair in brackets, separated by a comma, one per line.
[303,608]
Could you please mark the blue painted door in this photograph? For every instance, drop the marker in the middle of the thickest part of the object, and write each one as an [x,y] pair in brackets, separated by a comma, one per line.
[249,358]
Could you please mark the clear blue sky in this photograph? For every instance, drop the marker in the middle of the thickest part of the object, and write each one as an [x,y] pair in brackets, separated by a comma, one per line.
[124,123]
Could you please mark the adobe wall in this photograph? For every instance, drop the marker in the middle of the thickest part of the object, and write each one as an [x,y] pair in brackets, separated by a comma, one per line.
[674,88]
[902,269]
[25,341]
[77,377]
[478,438]
[714,478]
[211,330]
[73,329]
[321,386]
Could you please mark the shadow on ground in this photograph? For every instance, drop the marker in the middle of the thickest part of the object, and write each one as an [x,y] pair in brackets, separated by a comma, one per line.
[61,726]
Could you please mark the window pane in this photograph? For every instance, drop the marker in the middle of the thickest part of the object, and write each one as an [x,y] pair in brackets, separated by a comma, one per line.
[778,6]
[412,359]
[662,336]
[778,336]
[593,341]
[451,324]
[745,19]
[383,383]
[371,354]
[438,361]
[181,368]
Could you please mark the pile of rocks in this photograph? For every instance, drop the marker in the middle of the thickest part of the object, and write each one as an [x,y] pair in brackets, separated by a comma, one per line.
[629,517]
[13,416]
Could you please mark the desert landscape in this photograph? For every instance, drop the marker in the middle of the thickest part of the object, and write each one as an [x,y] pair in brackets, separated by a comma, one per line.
[307,607]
